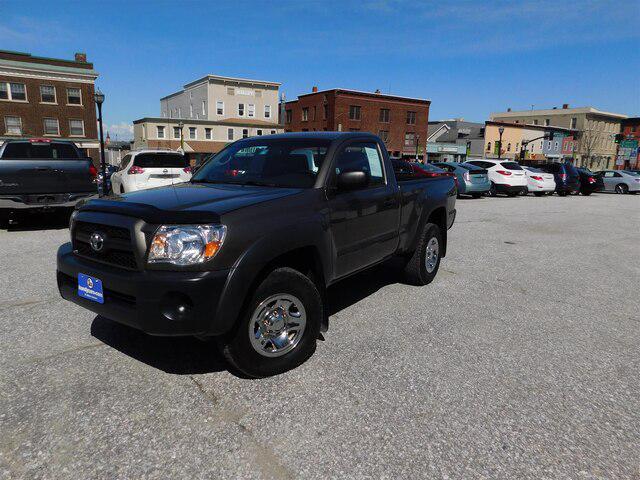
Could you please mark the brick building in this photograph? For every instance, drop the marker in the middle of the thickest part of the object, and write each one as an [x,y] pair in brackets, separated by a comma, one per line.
[401,122]
[48,97]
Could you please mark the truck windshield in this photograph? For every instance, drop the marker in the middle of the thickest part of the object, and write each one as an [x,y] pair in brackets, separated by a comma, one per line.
[276,163]
[40,151]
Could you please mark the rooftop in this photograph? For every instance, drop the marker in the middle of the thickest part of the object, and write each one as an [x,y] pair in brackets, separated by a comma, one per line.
[365,94]
[220,78]
[556,111]
[195,121]
[16,61]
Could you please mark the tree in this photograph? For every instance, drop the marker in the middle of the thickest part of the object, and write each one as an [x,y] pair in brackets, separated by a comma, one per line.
[589,139]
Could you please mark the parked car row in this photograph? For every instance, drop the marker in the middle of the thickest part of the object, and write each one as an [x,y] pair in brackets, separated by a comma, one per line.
[491,176]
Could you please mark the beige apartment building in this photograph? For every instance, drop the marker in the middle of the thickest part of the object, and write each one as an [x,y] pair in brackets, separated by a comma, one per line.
[596,130]
[209,113]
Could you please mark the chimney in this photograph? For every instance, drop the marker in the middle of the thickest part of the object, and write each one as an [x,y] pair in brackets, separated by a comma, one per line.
[565,106]
[378,91]
[509,109]
[81,57]
[314,89]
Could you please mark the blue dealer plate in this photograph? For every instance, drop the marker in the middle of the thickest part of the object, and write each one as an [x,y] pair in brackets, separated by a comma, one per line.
[90,288]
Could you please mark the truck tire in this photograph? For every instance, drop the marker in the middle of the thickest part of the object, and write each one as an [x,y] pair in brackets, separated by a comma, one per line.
[423,265]
[279,326]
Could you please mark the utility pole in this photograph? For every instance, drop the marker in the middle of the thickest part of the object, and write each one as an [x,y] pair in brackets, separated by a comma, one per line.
[501,131]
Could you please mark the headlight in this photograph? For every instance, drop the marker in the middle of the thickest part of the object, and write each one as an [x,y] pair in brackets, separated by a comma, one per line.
[186,244]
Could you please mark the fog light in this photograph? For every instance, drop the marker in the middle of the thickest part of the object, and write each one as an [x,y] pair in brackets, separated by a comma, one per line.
[176,306]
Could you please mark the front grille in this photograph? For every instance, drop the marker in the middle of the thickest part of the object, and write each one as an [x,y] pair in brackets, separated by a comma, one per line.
[118,248]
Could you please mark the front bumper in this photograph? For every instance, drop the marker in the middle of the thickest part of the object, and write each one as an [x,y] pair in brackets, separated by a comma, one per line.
[43,200]
[147,300]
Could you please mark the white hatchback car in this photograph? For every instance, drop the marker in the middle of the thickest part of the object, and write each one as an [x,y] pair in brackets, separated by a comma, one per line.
[144,169]
[538,182]
[506,176]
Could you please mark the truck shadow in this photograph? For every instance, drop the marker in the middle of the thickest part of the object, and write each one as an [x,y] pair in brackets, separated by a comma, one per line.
[188,355]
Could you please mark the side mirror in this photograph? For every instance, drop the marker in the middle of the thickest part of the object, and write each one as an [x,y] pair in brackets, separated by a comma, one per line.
[352,180]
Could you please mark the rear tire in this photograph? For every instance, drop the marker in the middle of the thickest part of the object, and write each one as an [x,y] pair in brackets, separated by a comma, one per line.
[421,268]
[513,194]
[621,189]
[278,328]
[586,194]
[492,192]
[476,195]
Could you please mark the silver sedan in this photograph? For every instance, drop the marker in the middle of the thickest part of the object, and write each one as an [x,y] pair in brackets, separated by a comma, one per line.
[620,181]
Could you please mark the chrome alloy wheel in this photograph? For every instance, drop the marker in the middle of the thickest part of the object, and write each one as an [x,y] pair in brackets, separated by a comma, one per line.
[431,255]
[277,325]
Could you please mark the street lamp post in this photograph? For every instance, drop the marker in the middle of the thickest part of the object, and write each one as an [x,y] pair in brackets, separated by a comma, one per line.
[98,97]
[181,127]
[501,131]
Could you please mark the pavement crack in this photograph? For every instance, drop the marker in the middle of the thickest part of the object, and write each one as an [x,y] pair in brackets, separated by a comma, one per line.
[67,352]
[270,464]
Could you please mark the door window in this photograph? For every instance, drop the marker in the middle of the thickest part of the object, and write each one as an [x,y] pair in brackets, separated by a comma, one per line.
[125,162]
[362,157]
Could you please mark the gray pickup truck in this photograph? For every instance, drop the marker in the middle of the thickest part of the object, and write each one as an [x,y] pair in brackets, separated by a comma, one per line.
[42,173]
[245,250]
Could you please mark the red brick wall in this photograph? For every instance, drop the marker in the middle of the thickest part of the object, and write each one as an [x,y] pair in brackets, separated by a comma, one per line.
[338,103]
[33,112]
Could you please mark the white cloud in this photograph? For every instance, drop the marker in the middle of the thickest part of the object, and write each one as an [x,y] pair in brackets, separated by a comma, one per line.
[122,130]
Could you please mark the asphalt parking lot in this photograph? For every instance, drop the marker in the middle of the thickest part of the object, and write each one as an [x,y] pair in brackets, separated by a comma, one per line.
[520,361]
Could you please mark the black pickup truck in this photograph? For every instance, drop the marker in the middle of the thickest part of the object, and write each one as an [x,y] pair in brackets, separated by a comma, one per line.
[245,250]
[42,173]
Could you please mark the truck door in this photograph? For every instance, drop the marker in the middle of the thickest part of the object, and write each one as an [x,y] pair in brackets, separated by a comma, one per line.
[364,222]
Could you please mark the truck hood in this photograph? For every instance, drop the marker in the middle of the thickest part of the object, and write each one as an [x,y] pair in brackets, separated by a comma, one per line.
[186,202]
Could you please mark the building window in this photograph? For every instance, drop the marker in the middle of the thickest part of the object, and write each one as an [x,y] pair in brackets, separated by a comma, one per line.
[273,132]
[574,123]
[535,121]
[267,111]
[547,122]
[384,135]
[288,116]
[354,112]
[193,133]
[207,133]
[204,108]
[230,134]
[305,114]
[385,115]
[76,128]
[488,146]
[51,126]
[191,110]
[13,125]
[325,111]
[245,133]
[73,96]
[251,110]
[47,94]
[220,107]
[508,147]
[160,131]
[409,139]
[259,132]
[411,118]
[13,91]
[241,109]
[176,133]
[555,145]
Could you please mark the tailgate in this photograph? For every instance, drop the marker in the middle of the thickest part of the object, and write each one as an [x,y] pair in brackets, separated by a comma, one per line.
[45,176]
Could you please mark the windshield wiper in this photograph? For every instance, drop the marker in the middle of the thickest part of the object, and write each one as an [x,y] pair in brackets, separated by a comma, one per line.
[253,183]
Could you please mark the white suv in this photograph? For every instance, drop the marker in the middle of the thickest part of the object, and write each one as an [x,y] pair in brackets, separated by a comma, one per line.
[506,176]
[143,169]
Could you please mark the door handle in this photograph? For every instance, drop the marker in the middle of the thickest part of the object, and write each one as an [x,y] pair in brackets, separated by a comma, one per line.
[389,202]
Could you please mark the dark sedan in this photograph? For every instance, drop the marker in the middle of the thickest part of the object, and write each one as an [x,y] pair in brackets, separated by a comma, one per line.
[589,181]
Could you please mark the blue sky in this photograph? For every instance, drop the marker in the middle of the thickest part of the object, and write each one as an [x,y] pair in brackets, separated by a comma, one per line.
[468,57]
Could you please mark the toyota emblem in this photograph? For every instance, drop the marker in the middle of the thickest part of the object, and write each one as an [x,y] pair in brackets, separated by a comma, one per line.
[97,241]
